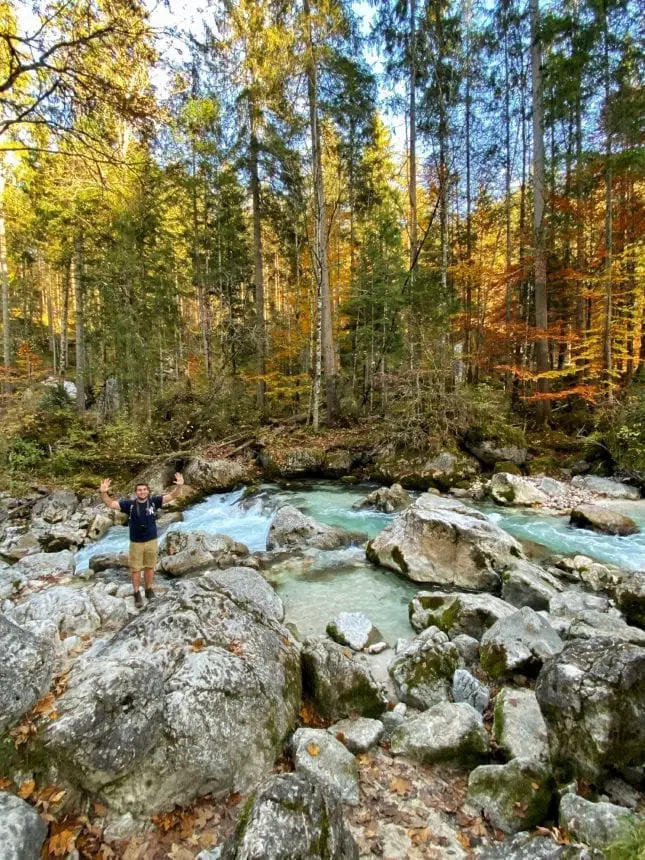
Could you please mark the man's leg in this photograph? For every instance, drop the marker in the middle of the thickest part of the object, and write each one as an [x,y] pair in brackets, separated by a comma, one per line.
[136,563]
[136,584]
[148,577]
[149,562]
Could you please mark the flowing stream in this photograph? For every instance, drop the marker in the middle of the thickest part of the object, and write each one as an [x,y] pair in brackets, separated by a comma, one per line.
[319,585]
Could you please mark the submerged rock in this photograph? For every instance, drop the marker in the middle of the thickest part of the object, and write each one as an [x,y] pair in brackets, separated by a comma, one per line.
[514,796]
[441,541]
[520,642]
[291,816]
[445,732]
[603,520]
[22,830]
[422,671]
[320,756]
[195,695]
[592,696]
[292,529]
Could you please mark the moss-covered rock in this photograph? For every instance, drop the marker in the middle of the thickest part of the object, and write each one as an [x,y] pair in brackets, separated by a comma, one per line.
[508,467]
[422,672]
[446,732]
[514,796]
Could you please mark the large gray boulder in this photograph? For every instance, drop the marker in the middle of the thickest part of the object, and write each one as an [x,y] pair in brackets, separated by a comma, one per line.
[194,696]
[291,816]
[388,500]
[592,696]
[520,729]
[70,609]
[319,755]
[250,589]
[56,507]
[606,487]
[22,830]
[108,561]
[507,489]
[25,671]
[527,846]
[596,824]
[454,613]
[422,671]
[291,529]
[45,565]
[441,541]
[629,595]
[519,643]
[603,520]
[358,735]
[182,552]
[526,584]
[592,624]
[338,684]
[445,732]
[62,536]
[446,469]
[211,476]
[514,796]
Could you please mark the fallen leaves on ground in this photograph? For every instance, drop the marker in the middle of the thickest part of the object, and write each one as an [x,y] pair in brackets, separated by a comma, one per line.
[313,749]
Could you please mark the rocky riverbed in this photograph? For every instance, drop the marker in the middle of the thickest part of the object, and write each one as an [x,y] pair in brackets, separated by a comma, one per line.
[507,721]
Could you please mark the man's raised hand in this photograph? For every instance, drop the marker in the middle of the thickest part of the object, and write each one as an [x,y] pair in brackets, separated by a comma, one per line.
[105,485]
[179,479]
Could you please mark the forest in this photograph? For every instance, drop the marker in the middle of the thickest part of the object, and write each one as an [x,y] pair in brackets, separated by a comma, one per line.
[423,213]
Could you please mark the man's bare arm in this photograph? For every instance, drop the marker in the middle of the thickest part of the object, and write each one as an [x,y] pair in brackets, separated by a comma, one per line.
[111,503]
[179,482]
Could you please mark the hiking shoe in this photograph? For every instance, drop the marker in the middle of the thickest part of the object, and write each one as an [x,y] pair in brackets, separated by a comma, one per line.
[150,593]
[138,600]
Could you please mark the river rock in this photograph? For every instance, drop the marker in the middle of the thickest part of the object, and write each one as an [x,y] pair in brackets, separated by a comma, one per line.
[339,685]
[45,565]
[603,520]
[108,561]
[386,499]
[446,469]
[591,624]
[358,735]
[526,846]
[317,754]
[514,490]
[596,824]
[456,613]
[70,609]
[250,589]
[569,603]
[467,688]
[291,816]
[22,830]
[606,487]
[298,462]
[211,476]
[514,796]
[337,464]
[112,610]
[526,584]
[194,696]
[353,629]
[422,671]
[25,671]
[441,541]
[291,529]
[182,552]
[55,508]
[62,536]
[468,649]
[629,595]
[17,546]
[99,527]
[520,729]
[445,732]
[489,453]
[518,643]
[592,696]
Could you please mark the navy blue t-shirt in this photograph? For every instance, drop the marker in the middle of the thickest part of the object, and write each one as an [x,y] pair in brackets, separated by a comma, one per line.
[143,526]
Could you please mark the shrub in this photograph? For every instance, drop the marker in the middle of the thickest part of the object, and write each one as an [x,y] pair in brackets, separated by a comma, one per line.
[631,846]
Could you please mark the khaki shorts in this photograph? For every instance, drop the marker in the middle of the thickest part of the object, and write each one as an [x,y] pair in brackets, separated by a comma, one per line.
[143,554]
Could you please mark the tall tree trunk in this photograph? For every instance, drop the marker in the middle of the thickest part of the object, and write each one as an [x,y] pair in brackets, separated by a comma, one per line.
[608,205]
[320,251]
[469,218]
[64,322]
[539,244]
[4,278]
[76,274]
[413,139]
[258,276]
